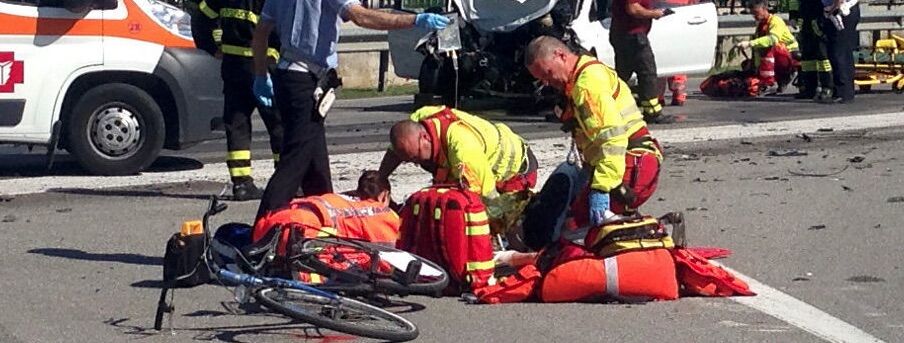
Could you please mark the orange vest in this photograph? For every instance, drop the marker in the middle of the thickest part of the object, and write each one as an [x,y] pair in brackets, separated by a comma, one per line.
[332,214]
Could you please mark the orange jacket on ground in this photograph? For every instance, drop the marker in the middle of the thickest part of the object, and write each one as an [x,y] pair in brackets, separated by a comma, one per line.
[337,214]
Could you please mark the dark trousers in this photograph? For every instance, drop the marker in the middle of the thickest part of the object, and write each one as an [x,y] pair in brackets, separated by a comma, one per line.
[816,70]
[239,104]
[304,161]
[841,45]
[634,55]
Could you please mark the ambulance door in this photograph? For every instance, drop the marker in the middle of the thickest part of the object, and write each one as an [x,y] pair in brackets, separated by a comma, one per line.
[44,46]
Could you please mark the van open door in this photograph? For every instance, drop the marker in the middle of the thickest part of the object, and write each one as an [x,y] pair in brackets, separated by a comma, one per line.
[685,42]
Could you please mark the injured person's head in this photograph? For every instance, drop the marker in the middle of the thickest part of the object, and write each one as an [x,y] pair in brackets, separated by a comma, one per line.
[373,187]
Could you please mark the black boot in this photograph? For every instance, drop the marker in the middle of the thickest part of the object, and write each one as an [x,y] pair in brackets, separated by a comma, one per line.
[824,96]
[245,191]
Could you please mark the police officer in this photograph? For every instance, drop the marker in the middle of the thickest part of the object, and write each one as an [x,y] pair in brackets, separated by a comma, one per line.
[841,44]
[816,70]
[309,34]
[235,20]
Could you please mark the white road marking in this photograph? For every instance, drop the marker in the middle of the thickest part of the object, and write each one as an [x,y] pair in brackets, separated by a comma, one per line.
[798,313]
[550,149]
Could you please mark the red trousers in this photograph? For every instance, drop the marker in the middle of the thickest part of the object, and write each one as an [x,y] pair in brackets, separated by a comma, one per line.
[776,65]
[641,177]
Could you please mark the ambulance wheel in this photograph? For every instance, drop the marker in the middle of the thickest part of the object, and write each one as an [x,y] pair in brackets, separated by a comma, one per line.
[115,129]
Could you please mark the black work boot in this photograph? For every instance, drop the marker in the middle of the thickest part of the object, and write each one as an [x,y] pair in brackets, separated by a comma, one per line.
[824,96]
[245,191]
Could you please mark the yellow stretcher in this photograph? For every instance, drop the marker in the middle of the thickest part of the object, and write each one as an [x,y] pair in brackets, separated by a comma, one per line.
[883,65]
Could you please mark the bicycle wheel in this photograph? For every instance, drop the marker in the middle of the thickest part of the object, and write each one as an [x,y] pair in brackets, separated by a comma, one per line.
[341,314]
[425,284]
[356,278]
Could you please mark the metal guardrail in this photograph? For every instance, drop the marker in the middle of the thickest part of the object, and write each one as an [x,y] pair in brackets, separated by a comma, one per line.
[729,25]
[870,20]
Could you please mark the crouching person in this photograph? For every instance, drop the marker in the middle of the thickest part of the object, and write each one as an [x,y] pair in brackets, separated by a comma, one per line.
[361,214]
[776,52]
[619,156]
[460,148]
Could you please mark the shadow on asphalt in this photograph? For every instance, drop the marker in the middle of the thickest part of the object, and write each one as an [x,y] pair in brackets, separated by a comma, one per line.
[289,329]
[88,256]
[129,193]
[32,165]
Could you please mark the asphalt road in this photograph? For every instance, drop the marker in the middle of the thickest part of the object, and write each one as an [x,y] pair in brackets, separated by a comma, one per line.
[363,125]
[83,264]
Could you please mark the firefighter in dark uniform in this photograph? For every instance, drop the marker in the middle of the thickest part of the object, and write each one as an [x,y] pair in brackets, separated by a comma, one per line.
[841,45]
[237,20]
[816,70]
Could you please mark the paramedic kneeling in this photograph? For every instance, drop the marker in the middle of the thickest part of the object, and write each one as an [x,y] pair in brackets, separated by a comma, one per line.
[617,150]
[460,148]
[362,214]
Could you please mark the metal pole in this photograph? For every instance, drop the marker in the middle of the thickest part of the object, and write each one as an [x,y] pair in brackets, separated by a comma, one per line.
[384,67]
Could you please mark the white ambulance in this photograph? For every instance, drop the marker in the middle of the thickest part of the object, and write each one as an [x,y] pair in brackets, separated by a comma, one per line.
[111,81]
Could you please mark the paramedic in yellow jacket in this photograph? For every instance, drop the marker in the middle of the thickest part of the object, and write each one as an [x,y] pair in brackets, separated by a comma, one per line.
[460,148]
[619,155]
[776,53]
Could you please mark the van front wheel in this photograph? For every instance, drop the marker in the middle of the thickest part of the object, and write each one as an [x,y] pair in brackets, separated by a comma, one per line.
[115,129]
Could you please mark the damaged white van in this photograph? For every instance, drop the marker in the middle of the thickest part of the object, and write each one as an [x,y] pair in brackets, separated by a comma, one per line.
[493,34]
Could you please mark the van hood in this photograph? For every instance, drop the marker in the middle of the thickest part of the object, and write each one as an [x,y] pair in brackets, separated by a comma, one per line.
[502,15]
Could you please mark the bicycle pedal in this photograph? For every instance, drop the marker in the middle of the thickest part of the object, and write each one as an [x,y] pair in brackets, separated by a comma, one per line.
[412,272]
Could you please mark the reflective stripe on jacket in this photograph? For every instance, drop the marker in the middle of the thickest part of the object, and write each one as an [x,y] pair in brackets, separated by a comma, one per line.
[606,115]
[332,214]
[237,20]
[474,150]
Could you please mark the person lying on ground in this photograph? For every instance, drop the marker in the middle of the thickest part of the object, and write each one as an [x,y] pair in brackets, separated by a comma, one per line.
[364,213]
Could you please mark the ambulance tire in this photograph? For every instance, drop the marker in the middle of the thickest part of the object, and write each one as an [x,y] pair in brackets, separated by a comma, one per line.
[132,135]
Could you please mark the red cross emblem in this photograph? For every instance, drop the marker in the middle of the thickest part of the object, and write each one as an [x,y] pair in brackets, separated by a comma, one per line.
[11,72]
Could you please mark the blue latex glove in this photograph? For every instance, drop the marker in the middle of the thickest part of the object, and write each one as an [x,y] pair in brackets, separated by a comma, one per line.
[599,204]
[263,90]
[431,21]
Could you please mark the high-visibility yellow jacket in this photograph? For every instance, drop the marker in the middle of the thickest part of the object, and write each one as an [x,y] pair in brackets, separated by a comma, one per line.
[606,115]
[773,32]
[478,152]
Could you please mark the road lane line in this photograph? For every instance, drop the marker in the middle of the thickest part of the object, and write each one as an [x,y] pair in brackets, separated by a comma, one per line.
[798,313]
[546,147]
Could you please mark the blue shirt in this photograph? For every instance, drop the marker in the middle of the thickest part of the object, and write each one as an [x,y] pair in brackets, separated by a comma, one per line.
[308,29]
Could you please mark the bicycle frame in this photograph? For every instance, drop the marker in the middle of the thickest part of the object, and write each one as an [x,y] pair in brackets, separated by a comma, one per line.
[223,274]
[247,279]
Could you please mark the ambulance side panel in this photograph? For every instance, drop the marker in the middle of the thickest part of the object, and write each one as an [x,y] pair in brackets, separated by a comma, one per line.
[47,58]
